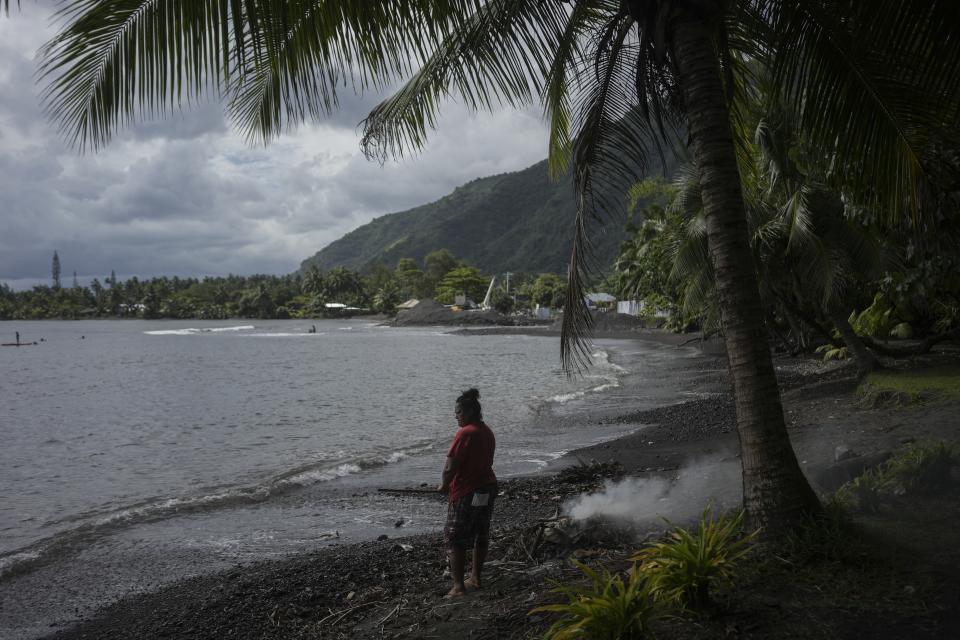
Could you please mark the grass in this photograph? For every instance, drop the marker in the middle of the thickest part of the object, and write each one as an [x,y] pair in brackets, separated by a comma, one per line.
[915,383]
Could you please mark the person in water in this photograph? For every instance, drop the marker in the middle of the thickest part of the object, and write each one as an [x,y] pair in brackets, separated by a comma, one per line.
[471,486]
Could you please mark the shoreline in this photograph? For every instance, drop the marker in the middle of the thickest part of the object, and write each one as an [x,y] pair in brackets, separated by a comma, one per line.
[524,500]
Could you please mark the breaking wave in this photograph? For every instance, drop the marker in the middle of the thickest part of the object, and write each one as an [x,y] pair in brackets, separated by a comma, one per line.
[607,374]
[282,334]
[190,331]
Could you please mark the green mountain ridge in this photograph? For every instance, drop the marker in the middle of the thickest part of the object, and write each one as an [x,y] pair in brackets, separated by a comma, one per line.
[520,221]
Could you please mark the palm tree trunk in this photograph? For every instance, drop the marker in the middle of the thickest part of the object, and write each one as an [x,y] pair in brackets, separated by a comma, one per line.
[776,495]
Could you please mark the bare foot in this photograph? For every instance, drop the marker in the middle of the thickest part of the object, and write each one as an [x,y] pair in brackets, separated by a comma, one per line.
[456,592]
[472,583]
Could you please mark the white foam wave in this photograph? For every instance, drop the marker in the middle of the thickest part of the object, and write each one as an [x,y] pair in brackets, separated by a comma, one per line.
[11,563]
[607,373]
[601,360]
[190,331]
[283,335]
[562,398]
[605,386]
[318,475]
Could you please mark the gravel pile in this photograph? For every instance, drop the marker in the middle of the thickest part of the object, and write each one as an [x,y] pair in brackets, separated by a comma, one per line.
[431,313]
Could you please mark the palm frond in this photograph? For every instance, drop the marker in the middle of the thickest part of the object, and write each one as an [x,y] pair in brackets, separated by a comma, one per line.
[870,91]
[600,108]
[117,61]
[585,18]
[799,220]
[498,55]
[687,200]
[309,49]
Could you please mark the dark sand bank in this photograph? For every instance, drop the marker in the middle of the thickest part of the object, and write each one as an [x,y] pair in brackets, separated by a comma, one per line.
[393,588]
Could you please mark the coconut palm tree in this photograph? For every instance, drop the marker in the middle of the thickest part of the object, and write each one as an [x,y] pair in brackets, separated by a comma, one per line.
[618,80]
[808,254]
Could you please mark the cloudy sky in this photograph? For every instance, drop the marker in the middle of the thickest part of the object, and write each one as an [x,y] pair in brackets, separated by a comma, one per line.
[187,196]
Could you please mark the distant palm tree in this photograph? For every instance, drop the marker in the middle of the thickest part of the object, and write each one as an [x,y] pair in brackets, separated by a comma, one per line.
[313,281]
[615,78]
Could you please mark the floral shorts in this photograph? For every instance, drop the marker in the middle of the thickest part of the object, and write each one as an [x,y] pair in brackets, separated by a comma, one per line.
[467,523]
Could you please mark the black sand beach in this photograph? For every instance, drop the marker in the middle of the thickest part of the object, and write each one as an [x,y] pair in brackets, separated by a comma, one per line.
[393,588]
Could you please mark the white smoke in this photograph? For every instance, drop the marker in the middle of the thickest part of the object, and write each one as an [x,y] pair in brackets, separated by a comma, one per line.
[701,482]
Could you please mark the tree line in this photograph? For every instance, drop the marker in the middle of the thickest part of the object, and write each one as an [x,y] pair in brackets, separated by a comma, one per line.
[304,294]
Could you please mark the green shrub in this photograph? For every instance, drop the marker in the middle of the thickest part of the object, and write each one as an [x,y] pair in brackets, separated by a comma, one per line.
[611,608]
[683,569]
[877,320]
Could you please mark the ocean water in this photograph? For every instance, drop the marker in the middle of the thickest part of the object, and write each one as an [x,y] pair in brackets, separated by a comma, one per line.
[144,451]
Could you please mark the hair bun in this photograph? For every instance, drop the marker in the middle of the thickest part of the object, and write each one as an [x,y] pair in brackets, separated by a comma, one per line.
[471,393]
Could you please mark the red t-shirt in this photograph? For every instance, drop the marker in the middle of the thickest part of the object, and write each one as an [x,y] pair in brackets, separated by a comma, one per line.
[472,449]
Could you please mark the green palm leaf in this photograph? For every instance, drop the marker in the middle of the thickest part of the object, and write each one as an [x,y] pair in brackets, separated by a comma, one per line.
[277,61]
[869,91]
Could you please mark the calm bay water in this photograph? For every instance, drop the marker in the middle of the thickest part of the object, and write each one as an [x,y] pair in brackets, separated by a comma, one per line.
[138,447]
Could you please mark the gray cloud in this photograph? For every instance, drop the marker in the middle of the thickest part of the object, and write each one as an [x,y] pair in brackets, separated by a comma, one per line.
[186,196]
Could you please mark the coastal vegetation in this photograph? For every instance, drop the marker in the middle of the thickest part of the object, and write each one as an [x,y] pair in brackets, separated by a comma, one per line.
[305,294]
[669,578]
[832,277]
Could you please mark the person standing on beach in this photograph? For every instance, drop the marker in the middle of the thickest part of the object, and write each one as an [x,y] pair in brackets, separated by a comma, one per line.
[471,486]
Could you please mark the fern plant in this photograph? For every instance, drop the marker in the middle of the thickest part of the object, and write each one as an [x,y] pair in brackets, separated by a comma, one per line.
[611,608]
[683,569]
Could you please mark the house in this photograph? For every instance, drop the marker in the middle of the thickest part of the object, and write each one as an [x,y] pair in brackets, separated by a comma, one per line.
[600,301]
[638,308]
[630,307]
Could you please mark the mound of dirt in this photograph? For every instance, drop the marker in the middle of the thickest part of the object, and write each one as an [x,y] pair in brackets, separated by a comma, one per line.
[430,312]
